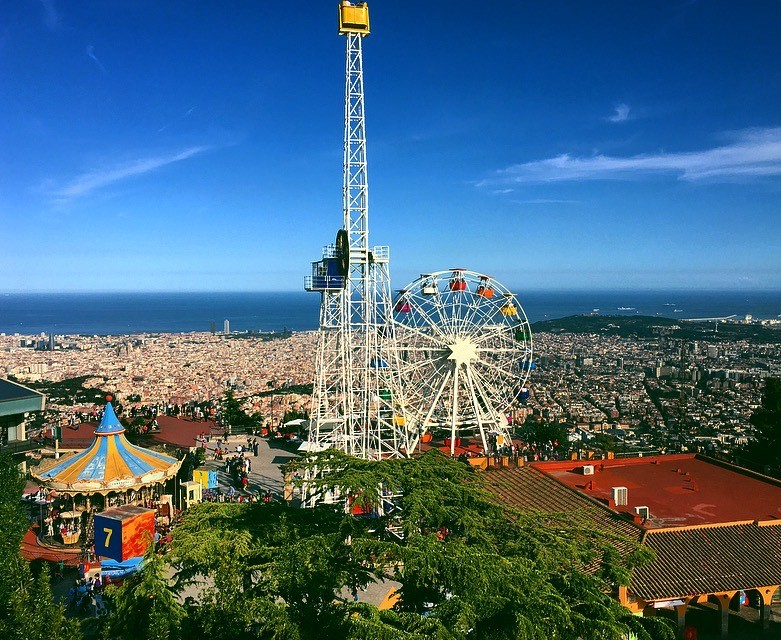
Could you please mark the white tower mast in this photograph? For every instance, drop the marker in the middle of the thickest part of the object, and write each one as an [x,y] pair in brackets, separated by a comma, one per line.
[357,404]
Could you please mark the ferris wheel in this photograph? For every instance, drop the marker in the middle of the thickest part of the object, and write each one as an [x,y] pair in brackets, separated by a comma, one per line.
[464,354]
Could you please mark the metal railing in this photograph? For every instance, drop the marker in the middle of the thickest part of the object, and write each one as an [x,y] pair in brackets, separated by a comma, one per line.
[22,446]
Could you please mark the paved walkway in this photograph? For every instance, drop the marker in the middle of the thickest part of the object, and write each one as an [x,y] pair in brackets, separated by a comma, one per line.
[265,473]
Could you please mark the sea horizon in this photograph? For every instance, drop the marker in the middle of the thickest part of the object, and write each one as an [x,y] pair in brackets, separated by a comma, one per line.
[124,313]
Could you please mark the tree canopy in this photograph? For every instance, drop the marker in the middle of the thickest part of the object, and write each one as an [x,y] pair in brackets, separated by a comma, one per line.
[234,416]
[766,446]
[27,607]
[466,566]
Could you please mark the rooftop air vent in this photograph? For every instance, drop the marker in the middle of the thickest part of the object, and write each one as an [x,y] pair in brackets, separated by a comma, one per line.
[619,495]
[643,512]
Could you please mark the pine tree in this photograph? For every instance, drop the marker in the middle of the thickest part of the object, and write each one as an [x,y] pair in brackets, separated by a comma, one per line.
[27,607]
[145,606]
[468,567]
[766,446]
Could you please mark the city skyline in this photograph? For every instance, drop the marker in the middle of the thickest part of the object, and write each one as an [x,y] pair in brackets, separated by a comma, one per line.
[199,147]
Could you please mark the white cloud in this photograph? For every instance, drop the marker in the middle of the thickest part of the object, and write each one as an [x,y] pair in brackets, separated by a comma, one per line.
[547,201]
[91,54]
[621,113]
[88,182]
[51,17]
[750,153]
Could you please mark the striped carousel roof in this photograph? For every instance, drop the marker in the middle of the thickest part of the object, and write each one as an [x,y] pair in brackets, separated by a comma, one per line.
[110,463]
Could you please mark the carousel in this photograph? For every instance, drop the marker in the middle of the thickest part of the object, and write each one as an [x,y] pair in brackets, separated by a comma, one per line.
[110,472]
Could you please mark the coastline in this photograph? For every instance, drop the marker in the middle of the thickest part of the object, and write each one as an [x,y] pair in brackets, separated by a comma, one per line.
[33,314]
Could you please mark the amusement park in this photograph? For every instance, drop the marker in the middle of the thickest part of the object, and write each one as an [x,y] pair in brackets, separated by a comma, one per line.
[450,352]
[401,504]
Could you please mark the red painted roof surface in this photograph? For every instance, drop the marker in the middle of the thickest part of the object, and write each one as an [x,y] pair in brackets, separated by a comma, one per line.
[679,490]
[180,432]
[79,436]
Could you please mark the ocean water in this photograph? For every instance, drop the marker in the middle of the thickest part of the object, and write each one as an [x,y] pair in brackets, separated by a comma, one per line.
[125,313]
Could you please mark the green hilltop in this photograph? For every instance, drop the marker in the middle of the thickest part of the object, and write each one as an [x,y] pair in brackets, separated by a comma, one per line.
[651,327]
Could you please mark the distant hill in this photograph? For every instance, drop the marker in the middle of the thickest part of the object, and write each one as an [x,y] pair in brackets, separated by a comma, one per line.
[650,326]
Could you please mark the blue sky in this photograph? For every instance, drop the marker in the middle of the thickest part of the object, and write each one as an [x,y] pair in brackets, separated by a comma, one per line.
[182,146]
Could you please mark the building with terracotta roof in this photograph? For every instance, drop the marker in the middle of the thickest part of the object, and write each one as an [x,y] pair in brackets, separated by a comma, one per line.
[715,529]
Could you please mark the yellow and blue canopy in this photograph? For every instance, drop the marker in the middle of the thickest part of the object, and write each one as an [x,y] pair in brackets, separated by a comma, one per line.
[110,463]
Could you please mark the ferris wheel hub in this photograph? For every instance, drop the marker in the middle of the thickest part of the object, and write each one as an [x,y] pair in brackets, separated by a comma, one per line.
[462,351]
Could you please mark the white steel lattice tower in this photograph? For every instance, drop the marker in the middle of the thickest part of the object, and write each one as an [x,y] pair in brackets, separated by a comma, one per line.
[357,402]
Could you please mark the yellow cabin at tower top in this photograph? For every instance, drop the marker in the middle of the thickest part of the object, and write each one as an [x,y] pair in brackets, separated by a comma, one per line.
[353,18]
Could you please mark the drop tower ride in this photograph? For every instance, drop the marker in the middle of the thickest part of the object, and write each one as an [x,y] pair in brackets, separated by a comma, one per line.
[357,399]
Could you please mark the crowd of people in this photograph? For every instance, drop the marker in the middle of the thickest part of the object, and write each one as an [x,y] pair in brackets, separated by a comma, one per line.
[86,596]
[188,410]
[239,467]
[231,495]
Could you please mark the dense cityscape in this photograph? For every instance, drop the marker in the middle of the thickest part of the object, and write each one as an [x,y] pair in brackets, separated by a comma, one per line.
[628,394]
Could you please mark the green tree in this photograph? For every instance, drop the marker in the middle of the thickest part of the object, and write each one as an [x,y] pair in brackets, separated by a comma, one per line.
[144,605]
[544,433]
[27,607]
[603,441]
[294,414]
[479,568]
[468,567]
[234,416]
[766,446]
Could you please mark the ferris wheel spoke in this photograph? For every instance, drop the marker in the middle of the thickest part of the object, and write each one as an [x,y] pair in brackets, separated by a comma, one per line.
[494,331]
[421,365]
[486,416]
[428,312]
[424,371]
[493,381]
[437,396]
[497,369]
[482,309]
[470,312]
[473,313]
[490,337]
[413,342]
[457,310]
[492,397]
[454,411]
[476,396]
[496,350]
[442,307]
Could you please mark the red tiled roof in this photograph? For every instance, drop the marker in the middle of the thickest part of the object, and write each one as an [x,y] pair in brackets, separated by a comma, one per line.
[529,489]
[701,560]
[178,432]
[679,490]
